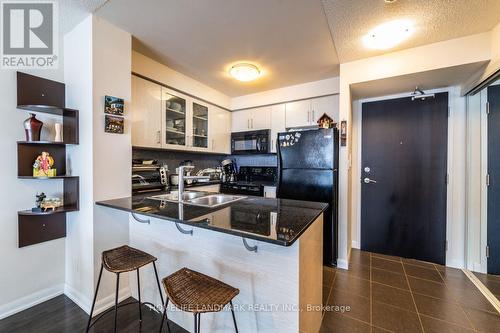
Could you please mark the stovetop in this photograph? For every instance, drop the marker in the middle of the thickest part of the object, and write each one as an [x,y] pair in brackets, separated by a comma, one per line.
[252,183]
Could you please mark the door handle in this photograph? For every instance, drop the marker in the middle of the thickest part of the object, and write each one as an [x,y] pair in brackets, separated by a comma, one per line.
[368,181]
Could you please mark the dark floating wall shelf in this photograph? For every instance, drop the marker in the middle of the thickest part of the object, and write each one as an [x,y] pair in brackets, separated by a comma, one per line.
[35,94]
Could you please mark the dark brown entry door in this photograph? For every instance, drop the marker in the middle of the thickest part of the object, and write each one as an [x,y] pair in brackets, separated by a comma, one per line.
[403,177]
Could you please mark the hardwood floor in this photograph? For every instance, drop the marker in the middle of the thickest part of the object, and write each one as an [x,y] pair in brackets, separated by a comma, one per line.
[61,315]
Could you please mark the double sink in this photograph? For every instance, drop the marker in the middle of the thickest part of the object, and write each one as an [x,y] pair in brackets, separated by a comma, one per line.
[199,198]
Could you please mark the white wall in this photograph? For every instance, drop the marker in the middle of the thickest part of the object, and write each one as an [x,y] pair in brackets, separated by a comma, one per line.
[34,273]
[98,64]
[286,94]
[429,57]
[455,225]
[112,160]
[19,288]
[80,230]
[161,73]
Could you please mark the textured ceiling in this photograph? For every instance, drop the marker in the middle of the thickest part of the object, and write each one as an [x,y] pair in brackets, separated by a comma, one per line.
[434,20]
[73,11]
[289,39]
[439,78]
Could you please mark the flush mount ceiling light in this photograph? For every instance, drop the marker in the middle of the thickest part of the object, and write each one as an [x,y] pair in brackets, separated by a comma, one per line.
[244,72]
[388,35]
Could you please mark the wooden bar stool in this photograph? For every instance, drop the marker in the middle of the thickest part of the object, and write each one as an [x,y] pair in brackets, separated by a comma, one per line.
[120,260]
[197,293]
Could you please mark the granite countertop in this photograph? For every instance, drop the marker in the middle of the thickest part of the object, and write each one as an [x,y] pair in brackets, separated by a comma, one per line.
[277,221]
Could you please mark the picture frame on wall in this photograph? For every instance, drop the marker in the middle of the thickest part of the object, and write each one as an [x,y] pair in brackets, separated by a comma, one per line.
[343,133]
[114,124]
[113,105]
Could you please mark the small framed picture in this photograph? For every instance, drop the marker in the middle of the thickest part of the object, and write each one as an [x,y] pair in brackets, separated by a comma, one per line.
[343,133]
[113,105]
[113,124]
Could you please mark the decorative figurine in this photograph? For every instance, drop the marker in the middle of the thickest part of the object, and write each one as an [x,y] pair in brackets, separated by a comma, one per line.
[43,166]
[38,203]
[32,128]
[326,122]
[58,129]
[51,204]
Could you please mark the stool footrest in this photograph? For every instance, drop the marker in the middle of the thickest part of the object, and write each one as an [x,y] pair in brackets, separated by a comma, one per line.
[102,314]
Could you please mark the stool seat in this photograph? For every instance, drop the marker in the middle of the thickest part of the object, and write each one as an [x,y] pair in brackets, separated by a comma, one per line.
[125,259]
[195,292]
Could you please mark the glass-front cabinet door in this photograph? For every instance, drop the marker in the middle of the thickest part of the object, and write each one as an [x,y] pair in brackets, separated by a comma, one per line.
[174,108]
[200,126]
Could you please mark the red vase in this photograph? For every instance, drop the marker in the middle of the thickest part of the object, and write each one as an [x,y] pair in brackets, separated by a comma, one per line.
[32,128]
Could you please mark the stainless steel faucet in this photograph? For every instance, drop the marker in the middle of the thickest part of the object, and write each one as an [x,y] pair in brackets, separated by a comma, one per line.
[182,177]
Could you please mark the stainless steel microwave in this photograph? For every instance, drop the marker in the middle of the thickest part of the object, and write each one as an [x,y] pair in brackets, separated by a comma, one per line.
[251,142]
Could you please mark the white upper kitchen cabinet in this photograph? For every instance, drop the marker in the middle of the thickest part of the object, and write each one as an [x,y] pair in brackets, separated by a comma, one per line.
[261,118]
[200,117]
[251,119]
[176,124]
[298,114]
[146,113]
[219,122]
[328,105]
[277,123]
[240,120]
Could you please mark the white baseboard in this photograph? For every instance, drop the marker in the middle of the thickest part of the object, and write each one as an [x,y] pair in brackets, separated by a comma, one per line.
[28,301]
[83,302]
[477,267]
[105,303]
[355,245]
[101,305]
[342,263]
[455,264]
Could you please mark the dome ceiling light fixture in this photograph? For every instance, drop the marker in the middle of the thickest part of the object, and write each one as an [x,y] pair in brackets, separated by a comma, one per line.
[388,35]
[244,72]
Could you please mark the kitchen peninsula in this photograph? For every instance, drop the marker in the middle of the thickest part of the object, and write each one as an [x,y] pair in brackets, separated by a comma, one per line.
[270,249]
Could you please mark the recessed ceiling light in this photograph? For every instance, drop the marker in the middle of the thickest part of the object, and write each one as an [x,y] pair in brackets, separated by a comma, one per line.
[388,35]
[244,72]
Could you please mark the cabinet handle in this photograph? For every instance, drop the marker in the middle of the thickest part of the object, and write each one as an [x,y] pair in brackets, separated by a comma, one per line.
[213,144]
[251,122]
[308,117]
[158,137]
[313,117]
[248,123]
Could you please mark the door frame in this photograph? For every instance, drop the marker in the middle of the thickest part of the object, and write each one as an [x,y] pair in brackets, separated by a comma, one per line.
[479,229]
[453,242]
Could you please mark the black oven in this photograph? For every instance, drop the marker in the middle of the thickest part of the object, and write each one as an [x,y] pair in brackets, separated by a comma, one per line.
[252,142]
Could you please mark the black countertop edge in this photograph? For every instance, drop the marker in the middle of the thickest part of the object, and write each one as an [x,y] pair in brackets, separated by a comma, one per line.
[203,225]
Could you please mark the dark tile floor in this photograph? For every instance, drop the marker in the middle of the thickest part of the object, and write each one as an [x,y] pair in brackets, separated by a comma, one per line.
[492,282]
[392,294]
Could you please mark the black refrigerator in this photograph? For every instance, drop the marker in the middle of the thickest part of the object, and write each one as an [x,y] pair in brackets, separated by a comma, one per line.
[308,170]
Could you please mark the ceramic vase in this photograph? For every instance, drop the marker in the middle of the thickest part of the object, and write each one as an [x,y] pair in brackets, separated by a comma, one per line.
[32,128]
[58,129]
